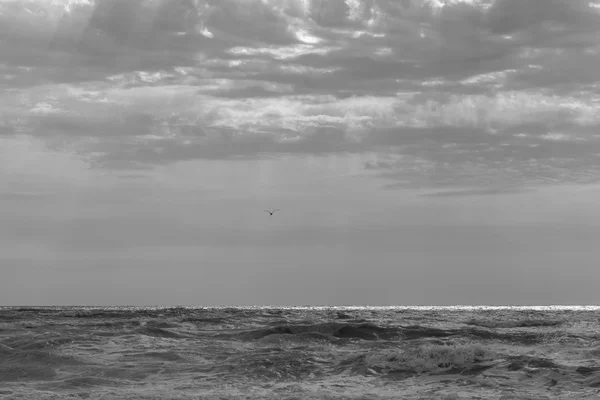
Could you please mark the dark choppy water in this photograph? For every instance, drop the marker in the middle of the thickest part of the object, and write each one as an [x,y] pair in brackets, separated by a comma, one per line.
[299,353]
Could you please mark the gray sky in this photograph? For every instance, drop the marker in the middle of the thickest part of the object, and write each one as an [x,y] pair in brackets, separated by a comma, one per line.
[420,151]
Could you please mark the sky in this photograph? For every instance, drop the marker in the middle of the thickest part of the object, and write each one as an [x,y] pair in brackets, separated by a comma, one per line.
[422,152]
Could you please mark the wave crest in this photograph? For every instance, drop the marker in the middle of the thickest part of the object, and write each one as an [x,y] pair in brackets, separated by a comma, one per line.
[431,358]
[365,331]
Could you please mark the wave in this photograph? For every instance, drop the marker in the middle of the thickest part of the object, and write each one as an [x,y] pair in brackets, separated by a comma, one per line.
[118,324]
[83,382]
[371,332]
[419,332]
[19,365]
[519,337]
[525,323]
[306,338]
[161,355]
[432,359]
[339,352]
[594,352]
[161,324]
[207,320]
[525,338]
[137,373]
[12,317]
[47,343]
[364,331]
[273,365]
[102,314]
[522,362]
[341,315]
[35,356]
[158,332]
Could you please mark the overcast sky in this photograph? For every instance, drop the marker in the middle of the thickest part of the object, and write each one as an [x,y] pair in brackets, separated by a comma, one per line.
[420,151]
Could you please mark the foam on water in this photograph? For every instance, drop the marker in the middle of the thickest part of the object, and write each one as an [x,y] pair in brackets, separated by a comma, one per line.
[351,352]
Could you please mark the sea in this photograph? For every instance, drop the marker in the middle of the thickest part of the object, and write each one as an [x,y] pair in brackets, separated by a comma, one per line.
[296,353]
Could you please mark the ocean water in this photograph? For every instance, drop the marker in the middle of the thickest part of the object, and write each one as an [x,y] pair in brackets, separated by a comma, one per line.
[300,353]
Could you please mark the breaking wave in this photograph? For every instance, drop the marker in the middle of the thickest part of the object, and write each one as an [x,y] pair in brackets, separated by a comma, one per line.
[297,353]
[433,359]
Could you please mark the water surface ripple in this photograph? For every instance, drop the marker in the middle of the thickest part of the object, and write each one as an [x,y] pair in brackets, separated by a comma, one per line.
[295,353]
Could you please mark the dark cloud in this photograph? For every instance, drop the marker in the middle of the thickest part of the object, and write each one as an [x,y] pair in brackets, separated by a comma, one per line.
[474,91]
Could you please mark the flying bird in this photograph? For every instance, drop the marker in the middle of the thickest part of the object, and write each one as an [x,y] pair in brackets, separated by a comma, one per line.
[271,212]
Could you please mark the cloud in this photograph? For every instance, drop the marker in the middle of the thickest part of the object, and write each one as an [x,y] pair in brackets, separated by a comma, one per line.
[448,93]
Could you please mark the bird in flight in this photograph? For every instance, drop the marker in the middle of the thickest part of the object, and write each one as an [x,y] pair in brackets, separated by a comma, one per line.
[271,212]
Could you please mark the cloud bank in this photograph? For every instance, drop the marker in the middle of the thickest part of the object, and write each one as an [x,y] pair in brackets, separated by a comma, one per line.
[444,93]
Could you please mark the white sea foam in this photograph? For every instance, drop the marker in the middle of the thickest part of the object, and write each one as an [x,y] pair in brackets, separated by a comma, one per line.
[308,352]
